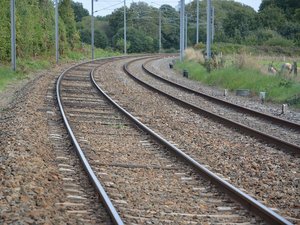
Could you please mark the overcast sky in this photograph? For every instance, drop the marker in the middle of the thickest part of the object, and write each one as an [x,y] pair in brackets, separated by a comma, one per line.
[107,6]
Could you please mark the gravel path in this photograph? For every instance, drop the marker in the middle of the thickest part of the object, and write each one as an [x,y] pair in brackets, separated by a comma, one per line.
[266,173]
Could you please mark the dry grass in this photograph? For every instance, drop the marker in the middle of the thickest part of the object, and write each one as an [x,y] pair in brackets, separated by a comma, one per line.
[246,61]
[261,63]
[194,55]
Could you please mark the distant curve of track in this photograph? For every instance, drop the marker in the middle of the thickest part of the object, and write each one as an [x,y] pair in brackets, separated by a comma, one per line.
[276,131]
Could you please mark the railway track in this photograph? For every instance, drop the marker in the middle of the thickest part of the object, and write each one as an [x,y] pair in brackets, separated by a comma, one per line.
[279,121]
[129,163]
[276,131]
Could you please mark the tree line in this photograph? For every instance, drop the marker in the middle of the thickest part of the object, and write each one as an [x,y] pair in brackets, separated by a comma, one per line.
[277,22]
[35,23]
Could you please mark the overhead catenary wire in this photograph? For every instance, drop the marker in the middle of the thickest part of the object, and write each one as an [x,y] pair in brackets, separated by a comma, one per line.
[109,7]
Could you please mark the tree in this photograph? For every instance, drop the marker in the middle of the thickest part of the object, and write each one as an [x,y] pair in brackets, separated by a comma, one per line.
[79,11]
[239,23]
[4,30]
[84,27]
[289,7]
[271,17]
[116,20]
[139,42]
[67,14]
[170,27]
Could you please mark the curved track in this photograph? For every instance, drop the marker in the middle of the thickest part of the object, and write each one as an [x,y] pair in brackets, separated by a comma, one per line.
[268,117]
[89,116]
[279,132]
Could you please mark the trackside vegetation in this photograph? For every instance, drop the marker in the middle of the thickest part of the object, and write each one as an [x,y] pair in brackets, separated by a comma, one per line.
[279,89]
[35,39]
[273,29]
[30,65]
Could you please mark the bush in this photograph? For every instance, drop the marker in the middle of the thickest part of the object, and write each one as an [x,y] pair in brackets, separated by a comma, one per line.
[199,46]
[279,41]
[228,48]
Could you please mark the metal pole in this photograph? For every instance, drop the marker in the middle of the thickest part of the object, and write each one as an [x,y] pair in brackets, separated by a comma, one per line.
[182,5]
[13,34]
[56,32]
[93,30]
[125,33]
[186,30]
[197,29]
[212,24]
[159,31]
[208,30]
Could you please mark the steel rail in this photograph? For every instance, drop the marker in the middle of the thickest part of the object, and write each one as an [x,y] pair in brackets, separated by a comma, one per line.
[99,188]
[284,145]
[243,109]
[247,201]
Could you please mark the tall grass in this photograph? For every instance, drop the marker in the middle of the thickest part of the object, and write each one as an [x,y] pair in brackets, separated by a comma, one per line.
[279,89]
[7,76]
[24,68]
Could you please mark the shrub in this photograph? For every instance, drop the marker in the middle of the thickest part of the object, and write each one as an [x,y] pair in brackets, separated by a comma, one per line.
[279,41]
[199,46]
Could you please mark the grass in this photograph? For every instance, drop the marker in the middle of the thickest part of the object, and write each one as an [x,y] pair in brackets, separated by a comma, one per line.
[279,89]
[86,53]
[26,66]
[7,76]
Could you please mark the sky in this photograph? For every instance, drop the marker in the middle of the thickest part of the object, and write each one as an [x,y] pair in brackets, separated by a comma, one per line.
[105,7]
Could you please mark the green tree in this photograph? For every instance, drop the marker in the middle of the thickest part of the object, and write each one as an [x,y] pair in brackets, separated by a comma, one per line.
[170,27]
[116,20]
[139,42]
[289,7]
[79,11]
[67,14]
[239,24]
[4,30]
[84,27]
[271,17]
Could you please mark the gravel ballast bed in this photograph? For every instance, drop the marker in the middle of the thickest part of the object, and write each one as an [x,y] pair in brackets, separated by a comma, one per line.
[286,134]
[30,181]
[266,173]
[146,183]
[33,161]
[161,67]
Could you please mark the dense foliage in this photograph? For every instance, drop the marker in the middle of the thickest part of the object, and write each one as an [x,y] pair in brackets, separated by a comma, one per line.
[35,27]
[277,23]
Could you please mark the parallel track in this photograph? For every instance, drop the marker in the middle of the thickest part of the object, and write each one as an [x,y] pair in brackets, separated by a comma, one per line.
[80,103]
[283,144]
[243,109]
